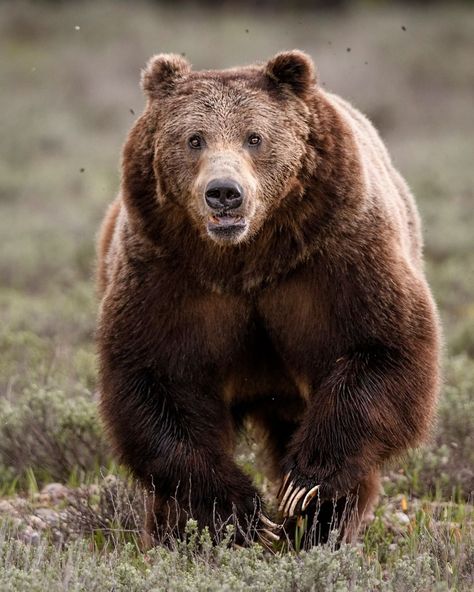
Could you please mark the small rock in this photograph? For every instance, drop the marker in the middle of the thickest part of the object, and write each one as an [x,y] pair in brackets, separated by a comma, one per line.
[57,535]
[402,518]
[48,516]
[7,508]
[55,491]
[20,503]
[94,489]
[29,536]
[36,522]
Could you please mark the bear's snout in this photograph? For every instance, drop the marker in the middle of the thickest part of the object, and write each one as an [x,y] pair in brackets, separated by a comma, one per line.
[227,221]
[224,194]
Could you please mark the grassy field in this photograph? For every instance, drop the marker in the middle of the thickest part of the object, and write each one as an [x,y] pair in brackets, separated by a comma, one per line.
[69,92]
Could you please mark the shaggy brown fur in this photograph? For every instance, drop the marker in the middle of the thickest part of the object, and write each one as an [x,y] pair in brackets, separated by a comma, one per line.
[305,309]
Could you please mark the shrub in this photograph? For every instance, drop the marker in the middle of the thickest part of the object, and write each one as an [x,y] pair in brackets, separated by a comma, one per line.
[425,564]
[51,433]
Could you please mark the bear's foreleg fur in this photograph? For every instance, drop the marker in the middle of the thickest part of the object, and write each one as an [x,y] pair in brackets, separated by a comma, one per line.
[182,454]
[370,408]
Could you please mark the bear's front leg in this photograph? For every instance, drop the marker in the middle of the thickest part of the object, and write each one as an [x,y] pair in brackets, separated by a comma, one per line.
[175,436]
[375,403]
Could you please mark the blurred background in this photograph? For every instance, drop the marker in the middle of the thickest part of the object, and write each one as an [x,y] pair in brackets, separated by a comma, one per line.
[69,92]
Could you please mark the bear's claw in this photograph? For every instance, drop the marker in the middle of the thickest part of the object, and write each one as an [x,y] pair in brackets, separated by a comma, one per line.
[283,485]
[269,523]
[293,501]
[268,536]
[291,495]
[286,495]
[309,496]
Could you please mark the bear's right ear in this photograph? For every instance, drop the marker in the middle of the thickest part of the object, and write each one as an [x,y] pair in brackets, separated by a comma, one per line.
[161,73]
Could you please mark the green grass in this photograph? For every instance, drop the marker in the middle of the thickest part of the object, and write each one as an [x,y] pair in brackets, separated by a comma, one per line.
[66,102]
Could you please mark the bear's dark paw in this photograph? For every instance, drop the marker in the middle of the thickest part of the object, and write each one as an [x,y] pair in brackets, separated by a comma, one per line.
[295,497]
[301,485]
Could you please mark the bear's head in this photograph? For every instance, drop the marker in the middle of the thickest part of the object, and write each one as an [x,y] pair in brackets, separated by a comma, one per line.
[225,146]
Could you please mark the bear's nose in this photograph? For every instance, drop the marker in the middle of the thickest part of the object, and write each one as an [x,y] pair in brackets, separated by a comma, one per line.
[223,193]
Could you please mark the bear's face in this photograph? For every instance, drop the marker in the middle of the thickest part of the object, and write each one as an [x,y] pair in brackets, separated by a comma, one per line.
[228,145]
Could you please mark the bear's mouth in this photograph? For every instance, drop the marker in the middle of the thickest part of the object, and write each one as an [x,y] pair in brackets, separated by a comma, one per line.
[226,225]
[226,220]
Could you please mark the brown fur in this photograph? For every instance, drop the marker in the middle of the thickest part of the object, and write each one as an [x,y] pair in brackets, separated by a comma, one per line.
[315,322]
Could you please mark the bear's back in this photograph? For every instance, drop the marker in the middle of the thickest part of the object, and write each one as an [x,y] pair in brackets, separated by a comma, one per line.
[387,189]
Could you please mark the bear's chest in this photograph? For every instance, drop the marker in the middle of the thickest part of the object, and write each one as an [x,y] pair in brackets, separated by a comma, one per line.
[299,319]
[257,342]
[286,346]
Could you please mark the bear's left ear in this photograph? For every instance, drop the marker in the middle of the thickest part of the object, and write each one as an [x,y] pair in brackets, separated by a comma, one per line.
[161,73]
[293,68]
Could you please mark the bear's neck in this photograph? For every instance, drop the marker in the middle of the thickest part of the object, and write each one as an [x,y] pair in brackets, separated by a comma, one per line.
[286,241]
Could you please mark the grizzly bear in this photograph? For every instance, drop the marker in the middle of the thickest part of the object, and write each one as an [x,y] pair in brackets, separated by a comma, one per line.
[261,266]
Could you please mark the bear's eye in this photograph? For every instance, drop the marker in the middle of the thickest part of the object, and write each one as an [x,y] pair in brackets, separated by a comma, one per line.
[254,140]
[195,142]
